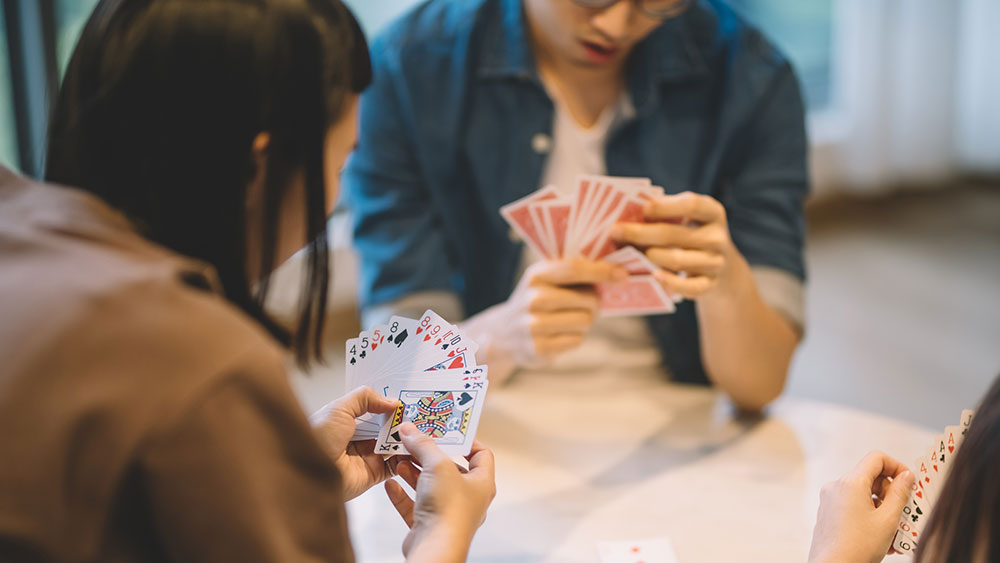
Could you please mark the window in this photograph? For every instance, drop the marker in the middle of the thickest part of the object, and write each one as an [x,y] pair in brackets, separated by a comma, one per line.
[803,30]
[71,15]
[374,15]
[9,155]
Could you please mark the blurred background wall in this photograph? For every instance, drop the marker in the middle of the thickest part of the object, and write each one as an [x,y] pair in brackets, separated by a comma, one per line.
[904,241]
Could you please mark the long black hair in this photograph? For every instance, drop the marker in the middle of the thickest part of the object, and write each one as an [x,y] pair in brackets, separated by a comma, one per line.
[158,111]
[965,524]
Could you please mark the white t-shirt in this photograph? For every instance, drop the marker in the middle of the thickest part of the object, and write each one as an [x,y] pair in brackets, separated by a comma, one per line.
[620,342]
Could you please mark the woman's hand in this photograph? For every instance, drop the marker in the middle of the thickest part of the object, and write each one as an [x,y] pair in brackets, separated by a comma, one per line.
[688,236]
[450,505]
[358,463]
[850,528]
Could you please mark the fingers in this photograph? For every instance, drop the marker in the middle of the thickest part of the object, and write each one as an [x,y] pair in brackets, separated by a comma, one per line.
[878,463]
[409,473]
[694,262]
[482,464]
[554,345]
[690,287]
[688,205]
[898,495]
[549,299]
[568,322]
[709,237]
[421,447]
[576,271]
[400,501]
[364,400]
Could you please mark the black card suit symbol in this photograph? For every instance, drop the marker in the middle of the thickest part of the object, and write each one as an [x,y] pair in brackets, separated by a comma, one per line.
[914,517]
[467,385]
[395,436]
[445,346]
[394,448]
[363,354]
[464,398]
[354,361]
[400,338]
[920,512]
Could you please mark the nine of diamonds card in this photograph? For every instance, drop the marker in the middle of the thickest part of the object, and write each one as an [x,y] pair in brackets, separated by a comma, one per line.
[430,367]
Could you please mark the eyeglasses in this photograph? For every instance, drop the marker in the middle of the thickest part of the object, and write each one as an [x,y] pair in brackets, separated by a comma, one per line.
[657,9]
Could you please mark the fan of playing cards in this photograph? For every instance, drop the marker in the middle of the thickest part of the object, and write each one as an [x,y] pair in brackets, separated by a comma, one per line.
[557,224]
[431,368]
[930,471]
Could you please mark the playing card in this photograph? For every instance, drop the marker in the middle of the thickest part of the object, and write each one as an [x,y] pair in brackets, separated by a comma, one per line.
[414,355]
[630,210]
[634,261]
[445,408]
[641,295]
[578,224]
[966,420]
[518,215]
[930,472]
[557,220]
[642,551]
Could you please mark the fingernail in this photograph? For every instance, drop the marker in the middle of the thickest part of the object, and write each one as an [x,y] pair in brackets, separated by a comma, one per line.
[616,232]
[408,429]
[906,475]
[619,274]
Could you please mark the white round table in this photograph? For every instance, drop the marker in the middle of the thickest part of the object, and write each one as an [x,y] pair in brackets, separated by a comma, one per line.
[627,456]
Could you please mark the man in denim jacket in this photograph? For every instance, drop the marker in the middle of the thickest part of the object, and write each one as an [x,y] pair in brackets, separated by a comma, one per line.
[477,103]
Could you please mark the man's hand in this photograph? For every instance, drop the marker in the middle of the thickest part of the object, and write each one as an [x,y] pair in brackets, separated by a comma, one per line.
[686,233]
[358,463]
[555,303]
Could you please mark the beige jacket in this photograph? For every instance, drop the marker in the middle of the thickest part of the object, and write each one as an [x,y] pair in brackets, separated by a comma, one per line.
[143,418]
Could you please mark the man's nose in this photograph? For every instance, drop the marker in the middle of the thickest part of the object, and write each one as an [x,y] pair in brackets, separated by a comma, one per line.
[615,20]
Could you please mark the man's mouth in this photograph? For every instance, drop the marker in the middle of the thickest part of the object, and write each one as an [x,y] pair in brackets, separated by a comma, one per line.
[599,52]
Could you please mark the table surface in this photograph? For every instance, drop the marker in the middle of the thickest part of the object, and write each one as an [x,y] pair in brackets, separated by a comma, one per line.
[608,456]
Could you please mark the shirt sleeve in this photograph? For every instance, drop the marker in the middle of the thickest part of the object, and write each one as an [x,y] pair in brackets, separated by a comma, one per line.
[766,186]
[783,292]
[240,476]
[397,230]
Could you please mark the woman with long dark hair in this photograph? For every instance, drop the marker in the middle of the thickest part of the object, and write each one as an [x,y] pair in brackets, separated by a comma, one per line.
[964,526]
[145,410]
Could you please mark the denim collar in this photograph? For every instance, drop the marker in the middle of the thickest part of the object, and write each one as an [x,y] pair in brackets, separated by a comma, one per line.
[669,55]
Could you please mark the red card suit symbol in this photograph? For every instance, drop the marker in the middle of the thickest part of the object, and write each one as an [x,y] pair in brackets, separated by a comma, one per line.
[914,534]
[635,550]
[374,345]
[438,343]
[427,337]
[451,354]
[458,363]
[920,494]
[951,449]
[419,330]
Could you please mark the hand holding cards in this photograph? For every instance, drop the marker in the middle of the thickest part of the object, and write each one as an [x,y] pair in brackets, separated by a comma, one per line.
[430,367]
[577,225]
[930,471]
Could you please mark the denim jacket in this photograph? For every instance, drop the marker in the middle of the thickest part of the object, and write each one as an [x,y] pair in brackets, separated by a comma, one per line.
[447,134]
